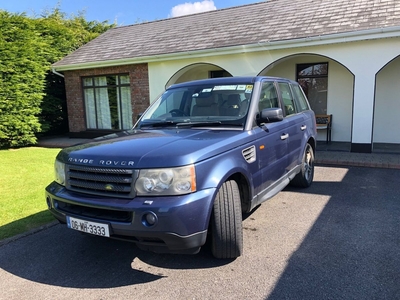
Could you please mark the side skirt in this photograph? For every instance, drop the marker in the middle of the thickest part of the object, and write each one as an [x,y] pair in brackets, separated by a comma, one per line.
[275,188]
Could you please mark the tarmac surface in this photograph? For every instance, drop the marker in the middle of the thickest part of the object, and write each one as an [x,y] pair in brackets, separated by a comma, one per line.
[325,156]
[337,239]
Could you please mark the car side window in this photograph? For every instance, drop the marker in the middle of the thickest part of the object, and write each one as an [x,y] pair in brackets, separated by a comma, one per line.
[300,97]
[268,96]
[287,98]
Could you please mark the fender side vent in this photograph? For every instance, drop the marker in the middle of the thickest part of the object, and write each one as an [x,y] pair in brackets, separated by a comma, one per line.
[249,154]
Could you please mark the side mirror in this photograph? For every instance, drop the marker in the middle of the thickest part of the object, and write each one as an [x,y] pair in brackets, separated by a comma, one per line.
[270,115]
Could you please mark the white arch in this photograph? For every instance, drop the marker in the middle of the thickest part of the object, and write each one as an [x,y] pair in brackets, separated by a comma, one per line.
[194,71]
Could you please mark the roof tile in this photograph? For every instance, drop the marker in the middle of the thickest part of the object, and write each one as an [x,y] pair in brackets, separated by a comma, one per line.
[272,20]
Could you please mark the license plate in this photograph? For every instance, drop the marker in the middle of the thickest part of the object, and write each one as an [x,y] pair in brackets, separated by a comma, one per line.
[88,227]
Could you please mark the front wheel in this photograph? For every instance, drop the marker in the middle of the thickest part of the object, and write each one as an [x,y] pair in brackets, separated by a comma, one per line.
[226,222]
[306,175]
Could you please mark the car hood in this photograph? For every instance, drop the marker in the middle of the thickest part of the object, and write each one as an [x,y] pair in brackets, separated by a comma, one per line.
[155,148]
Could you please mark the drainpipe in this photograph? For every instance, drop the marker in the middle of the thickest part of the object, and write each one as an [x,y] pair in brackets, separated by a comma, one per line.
[57,73]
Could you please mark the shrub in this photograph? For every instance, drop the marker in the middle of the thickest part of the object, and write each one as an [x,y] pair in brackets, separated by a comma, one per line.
[32,99]
[22,71]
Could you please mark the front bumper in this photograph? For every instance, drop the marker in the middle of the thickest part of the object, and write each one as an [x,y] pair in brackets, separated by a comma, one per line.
[180,226]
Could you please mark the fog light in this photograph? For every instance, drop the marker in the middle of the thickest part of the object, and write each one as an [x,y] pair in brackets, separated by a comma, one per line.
[149,219]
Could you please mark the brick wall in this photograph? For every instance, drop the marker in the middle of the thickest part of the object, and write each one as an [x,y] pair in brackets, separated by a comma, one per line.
[139,81]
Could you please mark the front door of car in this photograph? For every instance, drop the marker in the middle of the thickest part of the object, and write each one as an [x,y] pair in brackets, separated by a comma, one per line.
[272,142]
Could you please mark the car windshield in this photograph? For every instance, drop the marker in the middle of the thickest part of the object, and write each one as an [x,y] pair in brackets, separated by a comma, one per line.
[200,105]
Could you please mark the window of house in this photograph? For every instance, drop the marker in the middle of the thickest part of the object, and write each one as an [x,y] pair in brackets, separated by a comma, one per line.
[219,73]
[313,78]
[108,102]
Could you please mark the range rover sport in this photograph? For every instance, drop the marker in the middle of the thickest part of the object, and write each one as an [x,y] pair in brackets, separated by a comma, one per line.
[200,156]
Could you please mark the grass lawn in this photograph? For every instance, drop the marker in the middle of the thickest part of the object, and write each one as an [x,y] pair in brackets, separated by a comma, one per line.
[24,175]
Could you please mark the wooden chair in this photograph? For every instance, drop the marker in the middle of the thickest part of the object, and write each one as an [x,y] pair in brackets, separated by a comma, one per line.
[324,122]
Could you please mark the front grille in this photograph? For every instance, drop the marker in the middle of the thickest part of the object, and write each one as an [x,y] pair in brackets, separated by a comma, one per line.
[101,181]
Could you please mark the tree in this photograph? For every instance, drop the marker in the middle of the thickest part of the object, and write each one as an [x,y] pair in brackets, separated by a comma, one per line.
[32,99]
[22,72]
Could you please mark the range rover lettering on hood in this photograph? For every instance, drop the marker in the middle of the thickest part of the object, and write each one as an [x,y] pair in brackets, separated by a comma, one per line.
[102,162]
[116,162]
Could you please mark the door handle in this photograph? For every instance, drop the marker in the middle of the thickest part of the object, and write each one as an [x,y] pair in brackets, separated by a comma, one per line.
[303,127]
[284,136]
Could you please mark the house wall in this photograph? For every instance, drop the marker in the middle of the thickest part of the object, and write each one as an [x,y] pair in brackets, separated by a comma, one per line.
[139,80]
[340,91]
[364,59]
[160,73]
[363,83]
[353,66]
[340,81]
[387,104]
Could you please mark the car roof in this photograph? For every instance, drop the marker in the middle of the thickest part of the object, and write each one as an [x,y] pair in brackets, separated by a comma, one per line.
[229,80]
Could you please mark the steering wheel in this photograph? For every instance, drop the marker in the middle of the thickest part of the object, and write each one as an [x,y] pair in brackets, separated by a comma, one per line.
[177,113]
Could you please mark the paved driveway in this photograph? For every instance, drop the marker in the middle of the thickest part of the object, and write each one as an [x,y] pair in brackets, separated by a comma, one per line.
[340,239]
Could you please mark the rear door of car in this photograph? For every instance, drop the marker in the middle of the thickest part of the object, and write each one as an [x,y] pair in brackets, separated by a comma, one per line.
[294,122]
[308,126]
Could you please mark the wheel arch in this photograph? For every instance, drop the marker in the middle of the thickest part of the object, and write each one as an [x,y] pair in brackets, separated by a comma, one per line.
[224,168]
[244,190]
[313,143]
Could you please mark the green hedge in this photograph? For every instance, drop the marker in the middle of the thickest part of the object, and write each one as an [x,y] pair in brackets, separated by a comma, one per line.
[32,99]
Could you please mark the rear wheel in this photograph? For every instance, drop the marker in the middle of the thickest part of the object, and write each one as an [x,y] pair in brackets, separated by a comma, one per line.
[306,175]
[226,222]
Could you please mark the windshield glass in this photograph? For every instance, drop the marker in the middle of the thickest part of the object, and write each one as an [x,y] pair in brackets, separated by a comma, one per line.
[224,105]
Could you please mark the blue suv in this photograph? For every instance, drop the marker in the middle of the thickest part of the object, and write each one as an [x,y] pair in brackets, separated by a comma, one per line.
[200,156]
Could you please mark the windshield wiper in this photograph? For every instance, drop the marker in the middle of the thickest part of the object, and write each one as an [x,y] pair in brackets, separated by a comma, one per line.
[158,124]
[186,124]
[199,124]
[209,123]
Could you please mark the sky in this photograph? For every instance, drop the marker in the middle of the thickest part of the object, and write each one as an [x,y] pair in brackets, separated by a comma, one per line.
[122,12]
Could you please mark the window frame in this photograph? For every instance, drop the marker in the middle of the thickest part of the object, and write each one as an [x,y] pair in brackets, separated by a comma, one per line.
[118,85]
[300,98]
[259,100]
[303,66]
[293,100]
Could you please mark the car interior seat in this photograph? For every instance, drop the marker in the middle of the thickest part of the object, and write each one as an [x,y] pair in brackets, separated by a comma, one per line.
[205,107]
[231,107]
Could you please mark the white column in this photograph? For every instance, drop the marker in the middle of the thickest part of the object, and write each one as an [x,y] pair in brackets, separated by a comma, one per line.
[363,109]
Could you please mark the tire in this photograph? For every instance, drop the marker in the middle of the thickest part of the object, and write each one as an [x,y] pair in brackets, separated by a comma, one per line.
[305,178]
[226,222]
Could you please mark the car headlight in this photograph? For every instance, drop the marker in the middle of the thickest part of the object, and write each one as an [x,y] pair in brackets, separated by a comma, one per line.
[59,171]
[169,181]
